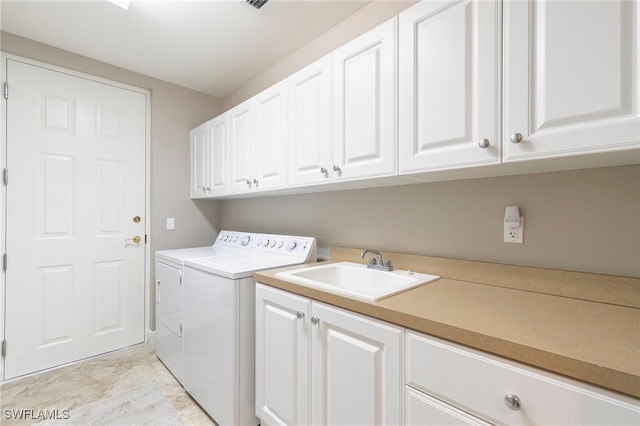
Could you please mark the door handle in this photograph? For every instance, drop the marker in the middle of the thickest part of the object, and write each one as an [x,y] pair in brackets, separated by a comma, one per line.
[135,239]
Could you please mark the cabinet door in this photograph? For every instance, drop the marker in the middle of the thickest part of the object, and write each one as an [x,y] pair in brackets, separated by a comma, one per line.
[422,410]
[364,105]
[217,172]
[282,357]
[169,318]
[199,161]
[240,146]
[310,123]
[270,137]
[571,78]
[356,369]
[448,105]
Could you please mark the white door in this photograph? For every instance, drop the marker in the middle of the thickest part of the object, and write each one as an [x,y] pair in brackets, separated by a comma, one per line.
[571,78]
[270,137]
[200,182]
[76,161]
[448,106]
[310,123]
[364,104]
[282,357]
[356,374]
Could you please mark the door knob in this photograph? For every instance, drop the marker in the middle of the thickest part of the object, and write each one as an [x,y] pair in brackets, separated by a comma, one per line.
[135,239]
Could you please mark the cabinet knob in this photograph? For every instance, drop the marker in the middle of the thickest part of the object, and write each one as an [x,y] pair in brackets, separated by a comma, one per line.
[516,138]
[323,170]
[208,189]
[315,320]
[483,143]
[255,181]
[336,168]
[300,315]
[512,401]
[248,182]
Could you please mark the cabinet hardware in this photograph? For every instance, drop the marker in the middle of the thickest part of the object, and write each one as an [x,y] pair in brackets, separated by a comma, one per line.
[512,401]
[516,138]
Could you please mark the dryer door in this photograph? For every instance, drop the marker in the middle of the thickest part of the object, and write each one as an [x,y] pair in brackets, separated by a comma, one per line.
[169,318]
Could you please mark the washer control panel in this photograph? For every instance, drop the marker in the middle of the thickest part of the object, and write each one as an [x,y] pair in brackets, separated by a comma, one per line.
[304,247]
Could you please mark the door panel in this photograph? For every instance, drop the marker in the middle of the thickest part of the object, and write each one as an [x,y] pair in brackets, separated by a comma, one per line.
[364,104]
[448,85]
[310,123]
[282,357]
[356,377]
[74,286]
[571,77]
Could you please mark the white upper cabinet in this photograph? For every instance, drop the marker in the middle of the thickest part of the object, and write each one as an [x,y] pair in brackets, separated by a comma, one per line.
[448,100]
[571,78]
[199,161]
[240,148]
[270,137]
[310,123]
[217,156]
[258,141]
[365,105]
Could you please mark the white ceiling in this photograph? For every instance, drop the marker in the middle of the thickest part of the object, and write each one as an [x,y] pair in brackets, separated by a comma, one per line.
[212,46]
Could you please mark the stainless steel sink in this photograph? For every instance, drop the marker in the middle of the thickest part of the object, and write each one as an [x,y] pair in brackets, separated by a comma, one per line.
[354,279]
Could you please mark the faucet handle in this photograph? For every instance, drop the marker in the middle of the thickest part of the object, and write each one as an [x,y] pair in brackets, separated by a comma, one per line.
[387,263]
[373,261]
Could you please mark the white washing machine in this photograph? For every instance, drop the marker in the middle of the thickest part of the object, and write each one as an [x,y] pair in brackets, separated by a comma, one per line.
[169,298]
[218,325]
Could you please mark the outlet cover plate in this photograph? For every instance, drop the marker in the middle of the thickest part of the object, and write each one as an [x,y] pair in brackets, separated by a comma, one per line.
[514,235]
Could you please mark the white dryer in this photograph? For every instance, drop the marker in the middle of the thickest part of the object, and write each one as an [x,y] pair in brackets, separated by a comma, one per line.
[169,303]
[219,320]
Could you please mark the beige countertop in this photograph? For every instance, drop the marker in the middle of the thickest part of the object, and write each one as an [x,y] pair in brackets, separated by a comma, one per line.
[508,311]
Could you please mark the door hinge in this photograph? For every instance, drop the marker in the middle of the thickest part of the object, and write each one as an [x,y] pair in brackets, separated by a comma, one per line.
[6,90]
[145,238]
[180,328]
[4,348]
[4,262]
[5,176]
[180,280]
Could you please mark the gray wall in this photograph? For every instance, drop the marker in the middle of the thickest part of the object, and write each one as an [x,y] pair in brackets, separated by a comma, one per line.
[584,220]
[174,111]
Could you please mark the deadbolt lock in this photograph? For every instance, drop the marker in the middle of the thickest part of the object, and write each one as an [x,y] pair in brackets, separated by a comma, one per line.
[136,219]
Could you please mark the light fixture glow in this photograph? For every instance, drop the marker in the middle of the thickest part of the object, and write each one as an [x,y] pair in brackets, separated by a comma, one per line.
[122,3]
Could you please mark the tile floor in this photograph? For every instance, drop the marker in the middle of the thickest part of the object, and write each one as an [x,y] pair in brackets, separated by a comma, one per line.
[82,383]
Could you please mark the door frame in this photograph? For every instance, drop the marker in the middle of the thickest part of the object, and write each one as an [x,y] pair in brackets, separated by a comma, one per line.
[3,192]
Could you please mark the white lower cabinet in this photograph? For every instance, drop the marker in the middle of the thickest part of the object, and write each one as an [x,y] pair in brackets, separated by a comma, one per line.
[463,379]
[316,364]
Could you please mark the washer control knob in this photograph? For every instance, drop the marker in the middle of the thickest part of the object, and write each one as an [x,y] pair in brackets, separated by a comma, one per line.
[273,243]
[245,241]
[259,241]
[220,237]
[280,244]
[291,245]
[266,243]
[235,238]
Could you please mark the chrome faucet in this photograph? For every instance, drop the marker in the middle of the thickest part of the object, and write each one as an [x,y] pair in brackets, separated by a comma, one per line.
[377,263]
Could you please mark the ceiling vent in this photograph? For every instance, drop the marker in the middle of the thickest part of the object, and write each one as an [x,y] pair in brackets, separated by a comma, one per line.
[257,3]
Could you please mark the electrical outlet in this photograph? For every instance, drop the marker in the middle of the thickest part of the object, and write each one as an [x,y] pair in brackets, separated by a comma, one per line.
[514,235]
